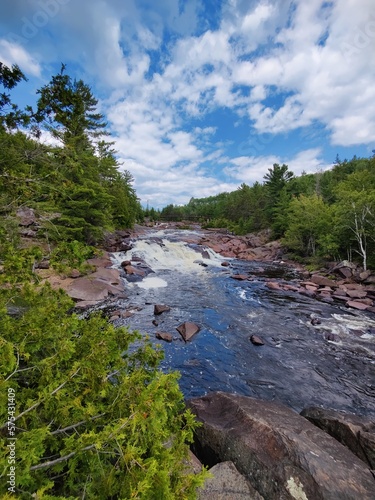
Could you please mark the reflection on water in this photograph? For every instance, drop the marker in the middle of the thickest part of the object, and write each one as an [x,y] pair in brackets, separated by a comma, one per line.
[299,365]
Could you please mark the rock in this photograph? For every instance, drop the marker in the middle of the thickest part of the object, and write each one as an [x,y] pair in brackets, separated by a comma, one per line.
[256,340]
[345,272]
[357,305]
[357,294]
[43,265]
[104,261]
[187,330]
[273,285]
[26,215]
[355,432]
[239,277]
[332,337]
[159,308]
[132,270]
[155,323]
[315,321]
[227,484]
[125,263]
[168,337]
[225,263]
[74,273]
[364,275]
[88,289]
[279,452]
[322,281]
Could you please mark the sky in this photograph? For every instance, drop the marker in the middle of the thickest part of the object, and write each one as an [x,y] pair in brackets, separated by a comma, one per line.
[201,96]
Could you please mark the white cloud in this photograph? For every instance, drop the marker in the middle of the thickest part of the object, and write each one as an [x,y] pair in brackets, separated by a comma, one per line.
[12,53]
[250,169]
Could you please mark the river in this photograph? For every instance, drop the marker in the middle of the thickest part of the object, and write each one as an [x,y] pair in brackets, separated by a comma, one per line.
[297,366]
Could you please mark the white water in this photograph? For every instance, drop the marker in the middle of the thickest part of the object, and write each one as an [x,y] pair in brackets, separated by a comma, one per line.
[170,255]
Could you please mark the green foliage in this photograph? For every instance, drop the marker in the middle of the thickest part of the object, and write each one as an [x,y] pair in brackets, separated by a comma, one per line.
[329,214]
[80,181]
[309,224]
[69,255]
[10,115]
[94,415]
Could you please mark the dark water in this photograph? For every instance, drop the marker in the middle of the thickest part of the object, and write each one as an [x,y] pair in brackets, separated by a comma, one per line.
[297,365]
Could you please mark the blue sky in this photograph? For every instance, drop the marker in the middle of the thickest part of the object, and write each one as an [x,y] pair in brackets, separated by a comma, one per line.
[201,96]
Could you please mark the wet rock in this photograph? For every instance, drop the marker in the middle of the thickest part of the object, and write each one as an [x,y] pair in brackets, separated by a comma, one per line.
[227,484]
[134,271]
[155,323]
[239,277]
[225,263]
[160,308]
[332,337]
[167,337]
[355,432]
[315,321]
[273,285]
[187,330]
[256,340]
[279,452]
[125,263]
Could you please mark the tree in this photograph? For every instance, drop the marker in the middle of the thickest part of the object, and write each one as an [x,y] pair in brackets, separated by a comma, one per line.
[356,212]
[310,223]
[10,114]
[94,418]
[68,109]
[277,177]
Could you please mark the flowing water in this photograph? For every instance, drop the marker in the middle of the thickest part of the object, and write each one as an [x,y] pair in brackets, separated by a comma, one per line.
[297,366]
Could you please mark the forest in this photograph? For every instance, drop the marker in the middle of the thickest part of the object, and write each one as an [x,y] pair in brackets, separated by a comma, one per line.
[328,215]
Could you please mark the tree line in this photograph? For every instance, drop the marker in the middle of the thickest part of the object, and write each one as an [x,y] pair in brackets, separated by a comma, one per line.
[325,215]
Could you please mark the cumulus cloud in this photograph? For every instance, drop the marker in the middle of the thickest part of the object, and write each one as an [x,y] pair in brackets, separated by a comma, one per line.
[165,70]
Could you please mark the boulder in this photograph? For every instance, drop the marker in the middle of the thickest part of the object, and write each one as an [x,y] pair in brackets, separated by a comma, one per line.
[160,308]
[355,432]
[357,294]
[239,277]
[279,452]
[187,330]
[322,280]
[273,285]
[357,305]
[227,484]
[256,340]
[167,337]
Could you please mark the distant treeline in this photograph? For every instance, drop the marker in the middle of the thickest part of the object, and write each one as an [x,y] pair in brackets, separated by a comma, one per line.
[329,215]
[79,179]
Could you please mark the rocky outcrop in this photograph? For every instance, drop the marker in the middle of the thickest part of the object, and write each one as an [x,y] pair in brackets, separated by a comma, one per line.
[249,247]
[102,284]
[355,432]
[279,452]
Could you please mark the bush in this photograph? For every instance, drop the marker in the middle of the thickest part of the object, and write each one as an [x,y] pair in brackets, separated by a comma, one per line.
[94,417]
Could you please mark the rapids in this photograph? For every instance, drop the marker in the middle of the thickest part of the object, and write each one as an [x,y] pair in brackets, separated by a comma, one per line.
[297,366]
